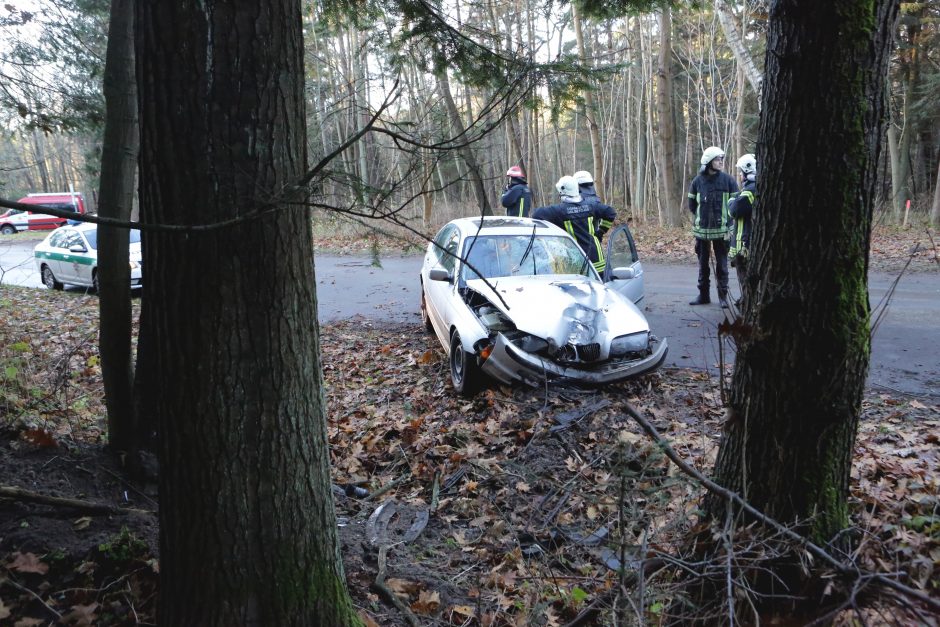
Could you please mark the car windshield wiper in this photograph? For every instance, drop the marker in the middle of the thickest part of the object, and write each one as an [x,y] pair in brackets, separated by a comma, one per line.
[528,250]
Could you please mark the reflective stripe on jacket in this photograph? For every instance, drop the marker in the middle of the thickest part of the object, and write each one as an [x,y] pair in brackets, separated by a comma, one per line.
[708,200]
[517,199]
[585,222]
[740,209]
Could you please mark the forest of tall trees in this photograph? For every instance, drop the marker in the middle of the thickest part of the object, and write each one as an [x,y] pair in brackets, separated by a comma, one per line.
[654,90]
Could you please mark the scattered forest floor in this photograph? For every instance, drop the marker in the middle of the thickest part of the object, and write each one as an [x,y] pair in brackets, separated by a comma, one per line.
[519,507]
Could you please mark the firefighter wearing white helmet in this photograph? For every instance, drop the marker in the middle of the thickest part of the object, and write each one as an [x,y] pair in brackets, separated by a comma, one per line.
[709,194]
[740,209]
[586,186]
[585,221]
[517,197]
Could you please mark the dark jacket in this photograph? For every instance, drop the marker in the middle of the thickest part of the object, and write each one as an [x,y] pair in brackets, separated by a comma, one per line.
[517,198]
[708,200]
[740,209]
[588,193]
[586,222]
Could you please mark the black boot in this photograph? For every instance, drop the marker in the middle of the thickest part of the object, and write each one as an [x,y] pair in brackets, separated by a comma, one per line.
[702,298]
[723,299]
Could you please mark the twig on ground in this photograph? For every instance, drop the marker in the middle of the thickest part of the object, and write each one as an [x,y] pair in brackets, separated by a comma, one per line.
[31,593]
[19,494]
[379,586]
[848,570]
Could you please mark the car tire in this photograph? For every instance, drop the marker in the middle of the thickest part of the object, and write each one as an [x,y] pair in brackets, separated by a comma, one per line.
[48,278]
[94,281]
[464,372]
[8,229]
[425,318]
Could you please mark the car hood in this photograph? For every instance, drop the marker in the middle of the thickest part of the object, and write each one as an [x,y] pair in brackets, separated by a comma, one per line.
[536,304]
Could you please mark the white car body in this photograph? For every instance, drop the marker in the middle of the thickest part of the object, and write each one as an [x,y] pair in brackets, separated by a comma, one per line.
[69,255]
[541,312]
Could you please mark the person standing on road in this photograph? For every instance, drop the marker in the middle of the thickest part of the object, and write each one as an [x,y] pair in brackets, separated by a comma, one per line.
[708,201]
[517,197]
[585,221]
[740,209]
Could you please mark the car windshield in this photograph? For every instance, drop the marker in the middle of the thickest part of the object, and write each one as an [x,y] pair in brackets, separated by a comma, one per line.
[493,256]
[92,236]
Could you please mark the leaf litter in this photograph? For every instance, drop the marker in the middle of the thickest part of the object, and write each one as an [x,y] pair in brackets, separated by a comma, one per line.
[521,506]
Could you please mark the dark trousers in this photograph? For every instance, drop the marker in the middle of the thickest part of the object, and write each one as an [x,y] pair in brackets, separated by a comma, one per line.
[703,248]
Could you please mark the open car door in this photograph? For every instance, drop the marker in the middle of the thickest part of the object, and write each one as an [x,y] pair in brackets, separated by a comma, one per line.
[624,271]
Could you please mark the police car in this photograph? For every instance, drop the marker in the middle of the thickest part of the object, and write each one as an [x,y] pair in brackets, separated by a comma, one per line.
[69,255]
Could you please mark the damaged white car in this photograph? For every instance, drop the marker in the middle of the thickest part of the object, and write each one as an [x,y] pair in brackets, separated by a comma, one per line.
[517,300]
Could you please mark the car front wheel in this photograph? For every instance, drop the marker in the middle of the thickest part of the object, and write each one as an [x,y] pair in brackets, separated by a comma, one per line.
[7,229]
[464,372]
[49,280]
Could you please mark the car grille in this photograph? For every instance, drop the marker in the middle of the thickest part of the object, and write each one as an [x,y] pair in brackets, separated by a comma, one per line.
[589,352]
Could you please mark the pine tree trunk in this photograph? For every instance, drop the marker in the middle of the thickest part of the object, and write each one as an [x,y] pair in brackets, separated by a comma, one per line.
[667,123]
[247,525]
[115,200]
[590,110]
[801,367]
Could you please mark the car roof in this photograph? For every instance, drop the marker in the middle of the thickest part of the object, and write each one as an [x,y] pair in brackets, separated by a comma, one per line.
[505,225]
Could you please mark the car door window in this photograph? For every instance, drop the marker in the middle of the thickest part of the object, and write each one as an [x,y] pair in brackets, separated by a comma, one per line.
[74,239]
[622,249]
[449,258]
[57,240]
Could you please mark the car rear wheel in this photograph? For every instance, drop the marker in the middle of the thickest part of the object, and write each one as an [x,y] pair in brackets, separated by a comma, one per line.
[49,280]
[94,280]
[8,229]
[464,372]
[425,318]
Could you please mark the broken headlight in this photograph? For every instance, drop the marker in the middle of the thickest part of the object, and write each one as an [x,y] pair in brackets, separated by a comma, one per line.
[581,327]
[632,343]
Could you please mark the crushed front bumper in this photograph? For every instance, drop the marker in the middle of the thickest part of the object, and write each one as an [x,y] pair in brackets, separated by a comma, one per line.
[510,364]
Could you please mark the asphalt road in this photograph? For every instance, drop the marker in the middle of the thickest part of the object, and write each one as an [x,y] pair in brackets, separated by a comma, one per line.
[905,346]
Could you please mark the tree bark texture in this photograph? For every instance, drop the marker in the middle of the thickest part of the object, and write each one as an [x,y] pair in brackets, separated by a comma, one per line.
[667,123]
[115,200]
[247,525]
[463,147]
[590,111]
[803,357]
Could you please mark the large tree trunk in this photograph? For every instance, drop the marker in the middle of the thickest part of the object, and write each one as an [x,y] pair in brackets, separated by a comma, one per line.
[935,210]
[115,200]
[667,123]
[464,148]
[803,358]
[247,525]
[590,109]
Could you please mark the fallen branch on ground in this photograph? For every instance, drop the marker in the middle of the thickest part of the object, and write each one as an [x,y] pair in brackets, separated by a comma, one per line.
[19,494]
[847,570]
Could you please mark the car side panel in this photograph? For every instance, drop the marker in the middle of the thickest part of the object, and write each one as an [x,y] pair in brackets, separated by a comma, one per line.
[621,253]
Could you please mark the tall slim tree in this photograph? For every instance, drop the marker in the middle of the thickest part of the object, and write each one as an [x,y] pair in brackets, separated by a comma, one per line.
[115,200]
[247,524]
[803,354]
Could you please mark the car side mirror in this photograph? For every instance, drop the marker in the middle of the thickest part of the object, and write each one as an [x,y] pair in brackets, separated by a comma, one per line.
[440,274]
[623,274]
[77,249]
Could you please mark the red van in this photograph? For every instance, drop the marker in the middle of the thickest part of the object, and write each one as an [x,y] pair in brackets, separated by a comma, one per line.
[15,220]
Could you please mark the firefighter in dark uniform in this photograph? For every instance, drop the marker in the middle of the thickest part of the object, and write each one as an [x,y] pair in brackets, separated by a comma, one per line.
[586,186]
[585,221]
[740,209]
[517,197]
[709,195]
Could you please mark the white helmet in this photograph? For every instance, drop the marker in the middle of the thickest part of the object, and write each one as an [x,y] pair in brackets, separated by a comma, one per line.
[748,166]
[567,186]
[711,153]
[583,177]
